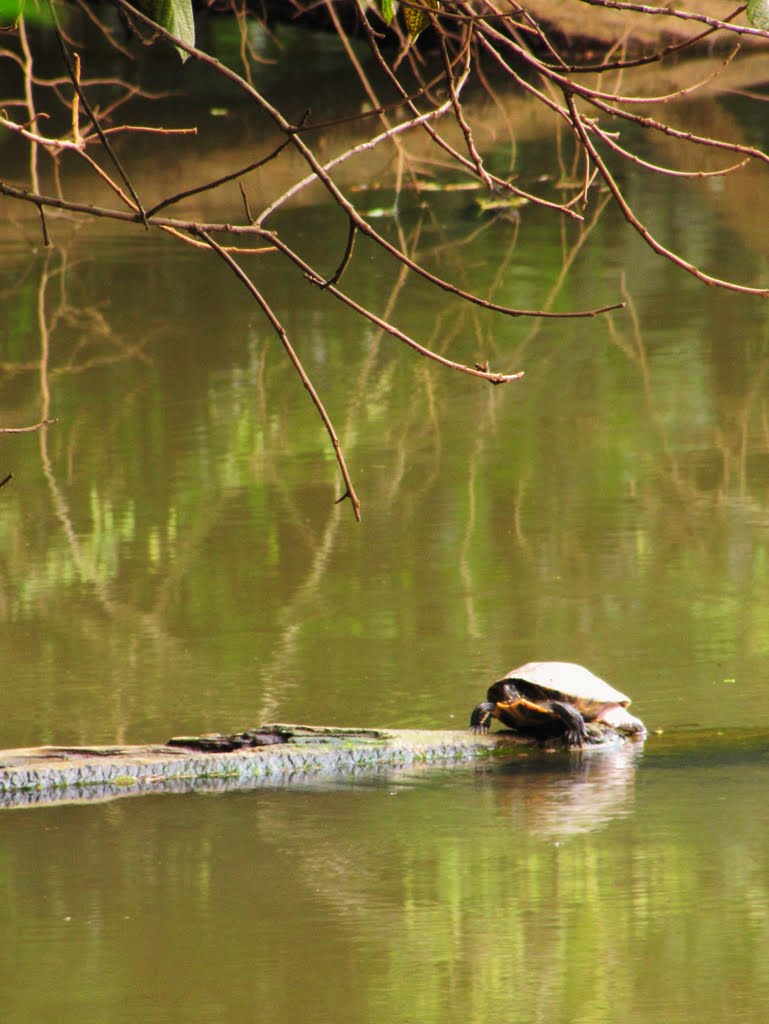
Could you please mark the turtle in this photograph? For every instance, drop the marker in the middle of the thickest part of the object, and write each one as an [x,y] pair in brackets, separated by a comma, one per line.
[555,699]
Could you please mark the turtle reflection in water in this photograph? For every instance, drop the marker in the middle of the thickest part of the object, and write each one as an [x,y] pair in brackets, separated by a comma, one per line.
[555,699]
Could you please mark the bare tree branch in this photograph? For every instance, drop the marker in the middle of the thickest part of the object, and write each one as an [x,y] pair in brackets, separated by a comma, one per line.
[290,351]
[672,12]
[643,231]
[429,127]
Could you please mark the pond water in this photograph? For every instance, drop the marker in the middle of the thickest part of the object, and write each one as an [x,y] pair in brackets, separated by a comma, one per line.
[172,561]
[559,891]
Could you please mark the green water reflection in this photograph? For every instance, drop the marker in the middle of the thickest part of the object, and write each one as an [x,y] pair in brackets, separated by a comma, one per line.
[550,891]
[172,561]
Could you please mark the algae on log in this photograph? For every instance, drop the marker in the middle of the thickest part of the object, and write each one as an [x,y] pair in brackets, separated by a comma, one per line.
[268,755]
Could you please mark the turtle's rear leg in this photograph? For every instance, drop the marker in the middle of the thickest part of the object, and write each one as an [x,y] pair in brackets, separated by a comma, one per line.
[481,717]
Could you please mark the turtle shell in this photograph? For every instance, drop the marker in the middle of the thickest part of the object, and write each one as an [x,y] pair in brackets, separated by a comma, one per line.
[562,680]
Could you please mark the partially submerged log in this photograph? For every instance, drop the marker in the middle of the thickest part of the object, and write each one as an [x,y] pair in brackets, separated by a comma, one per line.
[271,754]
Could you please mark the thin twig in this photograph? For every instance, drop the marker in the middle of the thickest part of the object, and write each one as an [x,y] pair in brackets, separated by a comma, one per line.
[246,206]
[657,168]
[284,340]
[74,76]
[641,228]
[652,58]
[475,156]
[29,98]
[345,258]
[27,430]
[233,176]
[672,12]
[362,147]
[483,372]
[459,158]
[562,81]
[44,226]
[675,133]
[195,227]
[331,186]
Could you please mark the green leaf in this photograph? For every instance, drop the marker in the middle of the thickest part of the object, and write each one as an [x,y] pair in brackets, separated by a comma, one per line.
[387,10]
[758,14]
[175,16]
[34,13]
[417,19]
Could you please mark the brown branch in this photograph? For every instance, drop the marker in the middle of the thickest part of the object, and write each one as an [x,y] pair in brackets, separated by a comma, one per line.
[111,37]
[74,76]
[127,216]
[145,129]
[344,203]
[607,107]
[345,258]
[44,225]
[582,128]
[671,12]
[284,340]
[27,430]
[675,133]
[563,82]
[29,97]
[543,38]
[363,115]
[246,207]
[483,372]
[475,156]
[362,147]
[584,136]
[217,181]
[652,58]
[656,168]
[5,481]
[195,227]
[459,158]
[183,234]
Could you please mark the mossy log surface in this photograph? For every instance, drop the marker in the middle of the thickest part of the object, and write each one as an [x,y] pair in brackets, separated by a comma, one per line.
[269,755]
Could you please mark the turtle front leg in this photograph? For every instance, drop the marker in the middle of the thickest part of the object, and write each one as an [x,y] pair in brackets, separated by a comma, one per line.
[575,734]
[481,717]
